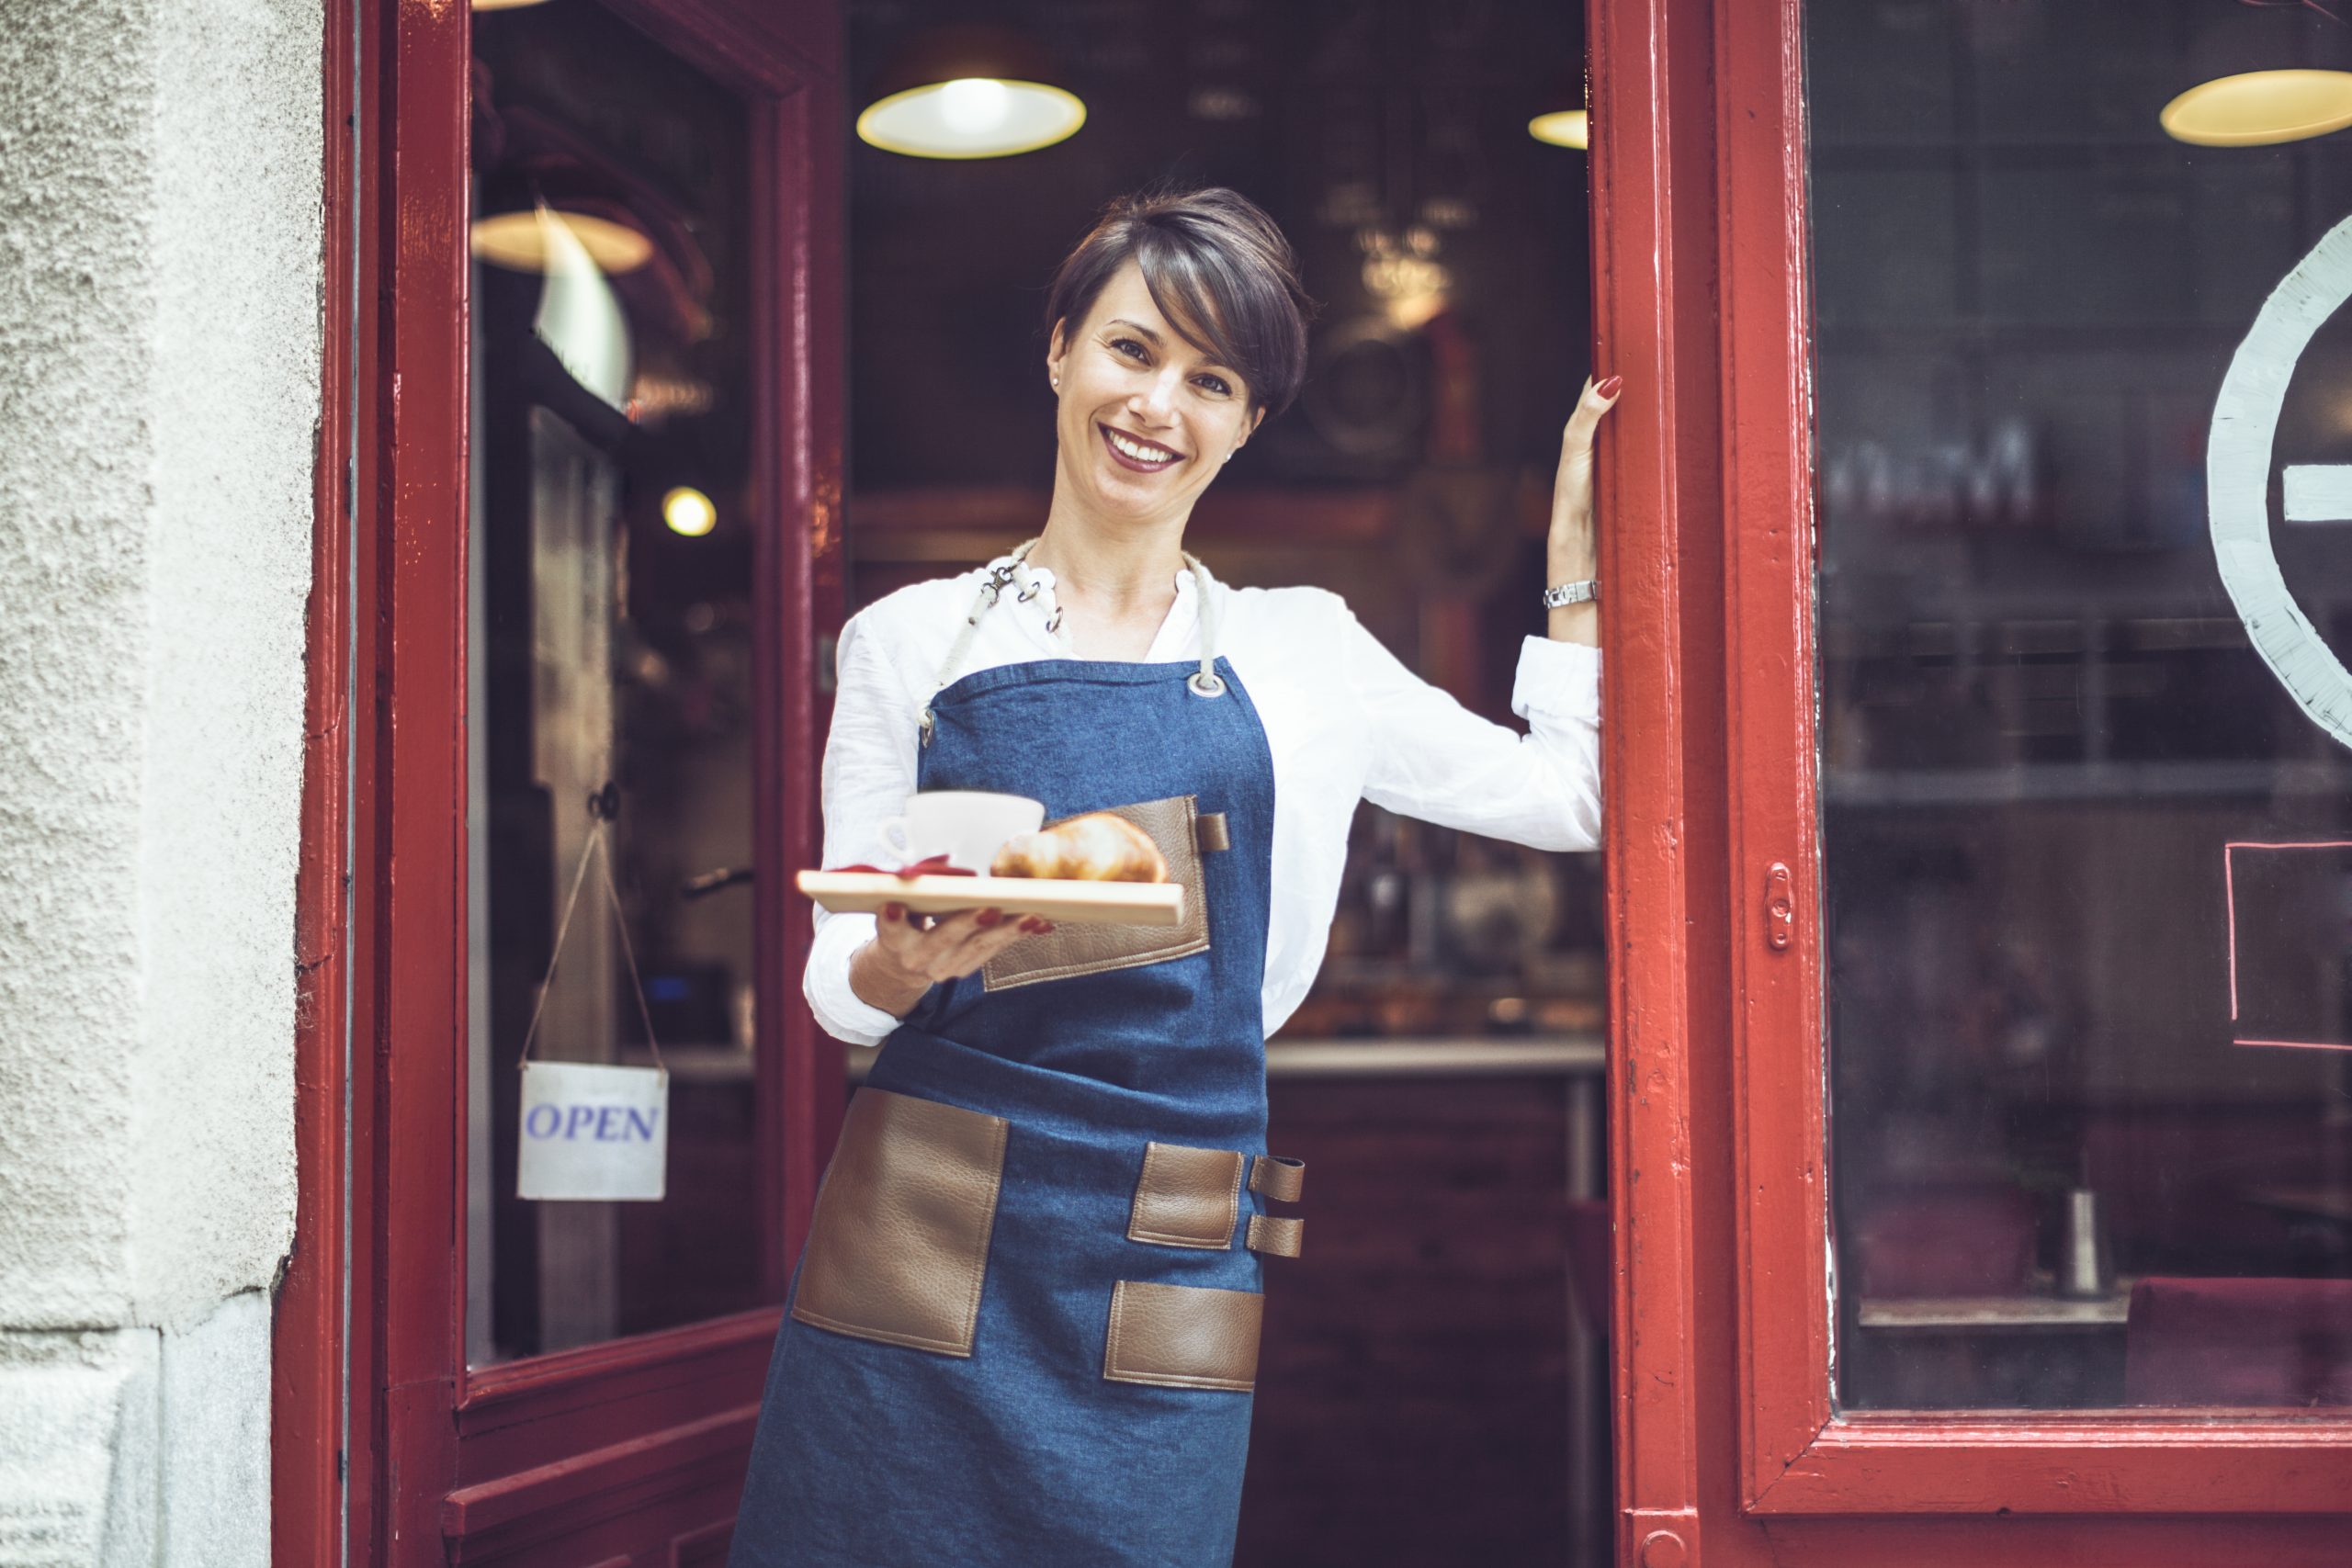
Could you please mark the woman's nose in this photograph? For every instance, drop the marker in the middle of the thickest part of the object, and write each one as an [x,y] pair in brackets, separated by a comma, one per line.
[1156,397]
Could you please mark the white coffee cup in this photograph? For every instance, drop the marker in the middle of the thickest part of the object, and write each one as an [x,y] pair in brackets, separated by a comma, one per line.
[967,826]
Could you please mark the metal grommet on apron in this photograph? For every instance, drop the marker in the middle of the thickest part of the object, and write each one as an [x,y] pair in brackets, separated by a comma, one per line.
[1098,1412]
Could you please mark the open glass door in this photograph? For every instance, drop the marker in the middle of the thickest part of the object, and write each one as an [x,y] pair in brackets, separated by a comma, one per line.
[1983,1171]
[598,551]
[2040,994]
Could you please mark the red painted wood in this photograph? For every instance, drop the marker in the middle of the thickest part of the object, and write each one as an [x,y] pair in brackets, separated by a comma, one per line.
[365,1403]
[578,1486]
[516,1415]
[448,1466]
[1793,1458]
[1767,527]
[414,1025]
[1648,286]
[306,1342]
[798,568]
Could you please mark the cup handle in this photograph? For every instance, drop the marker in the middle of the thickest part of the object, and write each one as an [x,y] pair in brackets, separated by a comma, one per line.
[895,839]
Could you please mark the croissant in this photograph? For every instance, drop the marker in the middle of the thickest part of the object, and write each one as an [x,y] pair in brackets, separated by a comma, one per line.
[1098,847]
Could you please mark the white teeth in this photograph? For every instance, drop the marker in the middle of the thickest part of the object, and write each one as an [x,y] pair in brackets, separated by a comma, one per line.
[1139,453]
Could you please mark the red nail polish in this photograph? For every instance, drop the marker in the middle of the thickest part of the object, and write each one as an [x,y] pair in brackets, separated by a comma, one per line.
[893,912]
[1609,389]
[1044,925]
[991,917]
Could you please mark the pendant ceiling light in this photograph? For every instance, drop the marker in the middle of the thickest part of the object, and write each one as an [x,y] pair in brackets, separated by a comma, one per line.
[970,92]
[2255,85]
[1562,128]
[1556,109]
[524,241]
[2259,108]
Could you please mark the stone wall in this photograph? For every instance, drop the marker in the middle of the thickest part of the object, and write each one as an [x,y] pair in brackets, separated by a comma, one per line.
[160,278]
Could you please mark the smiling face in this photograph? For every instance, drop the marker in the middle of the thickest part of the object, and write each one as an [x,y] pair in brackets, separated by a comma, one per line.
[1147,418]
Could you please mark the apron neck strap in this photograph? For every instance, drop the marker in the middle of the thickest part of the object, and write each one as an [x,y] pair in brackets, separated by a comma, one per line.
[1206,682]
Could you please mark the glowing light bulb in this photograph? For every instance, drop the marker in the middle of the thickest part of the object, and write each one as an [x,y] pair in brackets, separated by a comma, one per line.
[689,512]
[973,105]
[1563,128]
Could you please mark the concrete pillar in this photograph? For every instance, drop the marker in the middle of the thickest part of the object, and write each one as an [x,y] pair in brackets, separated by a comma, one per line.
[160,278]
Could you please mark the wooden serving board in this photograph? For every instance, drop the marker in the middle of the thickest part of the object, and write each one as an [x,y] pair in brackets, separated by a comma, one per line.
[1056,898]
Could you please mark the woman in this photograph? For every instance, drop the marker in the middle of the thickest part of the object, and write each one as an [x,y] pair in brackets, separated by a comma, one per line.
[1025,1329]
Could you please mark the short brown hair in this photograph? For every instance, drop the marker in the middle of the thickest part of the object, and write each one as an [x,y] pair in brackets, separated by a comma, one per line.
[1219,270]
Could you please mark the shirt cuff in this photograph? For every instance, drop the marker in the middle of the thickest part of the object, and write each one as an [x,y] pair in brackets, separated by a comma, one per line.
[843,1013]
[1557,680]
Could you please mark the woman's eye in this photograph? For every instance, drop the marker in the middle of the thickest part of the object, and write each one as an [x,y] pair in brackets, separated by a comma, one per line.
[1217,384]
[1121,344]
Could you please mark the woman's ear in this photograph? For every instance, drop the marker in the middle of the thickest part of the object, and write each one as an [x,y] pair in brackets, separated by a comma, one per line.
[1056,348]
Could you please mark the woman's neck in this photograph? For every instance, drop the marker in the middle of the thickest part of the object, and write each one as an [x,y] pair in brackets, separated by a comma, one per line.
[1112,572]
[1115,588]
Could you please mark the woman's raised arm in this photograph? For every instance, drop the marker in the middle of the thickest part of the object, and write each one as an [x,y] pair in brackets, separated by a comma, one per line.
[1433,759]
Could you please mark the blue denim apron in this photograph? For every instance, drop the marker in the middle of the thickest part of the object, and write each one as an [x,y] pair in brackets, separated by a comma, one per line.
[1023,1453]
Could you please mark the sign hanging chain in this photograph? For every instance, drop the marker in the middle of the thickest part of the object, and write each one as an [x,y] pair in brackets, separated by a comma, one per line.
[612,896]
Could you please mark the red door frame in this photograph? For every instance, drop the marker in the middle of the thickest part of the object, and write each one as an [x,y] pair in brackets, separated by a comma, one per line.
[444,1465]
[1725,1423]
[307,1337]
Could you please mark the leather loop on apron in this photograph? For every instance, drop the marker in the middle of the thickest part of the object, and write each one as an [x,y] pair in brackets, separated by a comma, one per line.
[1276,1235]
[1278,1177]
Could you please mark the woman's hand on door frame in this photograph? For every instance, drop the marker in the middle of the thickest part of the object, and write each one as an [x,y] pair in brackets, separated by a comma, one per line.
[1569,552]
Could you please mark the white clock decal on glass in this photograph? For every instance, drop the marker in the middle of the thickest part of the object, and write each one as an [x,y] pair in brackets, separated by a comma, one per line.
[2237,482]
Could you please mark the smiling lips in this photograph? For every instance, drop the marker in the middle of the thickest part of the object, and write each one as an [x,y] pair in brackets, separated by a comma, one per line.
[1141,456]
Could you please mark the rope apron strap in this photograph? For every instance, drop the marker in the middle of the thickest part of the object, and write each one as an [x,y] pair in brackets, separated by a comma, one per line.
[1206,682]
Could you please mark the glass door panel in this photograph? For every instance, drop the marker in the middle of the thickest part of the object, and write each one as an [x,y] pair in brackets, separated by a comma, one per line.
[611,655]
[2087,845]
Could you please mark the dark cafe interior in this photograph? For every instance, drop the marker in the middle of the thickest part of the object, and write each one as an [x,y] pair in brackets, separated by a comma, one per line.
[2017,1140]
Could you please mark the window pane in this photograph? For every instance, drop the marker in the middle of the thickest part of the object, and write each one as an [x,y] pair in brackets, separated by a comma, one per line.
[2088,888]
[611,644]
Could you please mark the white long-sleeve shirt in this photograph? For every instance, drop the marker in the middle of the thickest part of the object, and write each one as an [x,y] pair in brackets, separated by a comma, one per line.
[1344,719]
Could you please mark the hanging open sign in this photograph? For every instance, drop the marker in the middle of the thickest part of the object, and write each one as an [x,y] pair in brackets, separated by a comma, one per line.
[591,1130]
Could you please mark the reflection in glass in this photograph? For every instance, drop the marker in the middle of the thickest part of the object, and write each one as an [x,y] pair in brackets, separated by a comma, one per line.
[610,647]
[2071,1166]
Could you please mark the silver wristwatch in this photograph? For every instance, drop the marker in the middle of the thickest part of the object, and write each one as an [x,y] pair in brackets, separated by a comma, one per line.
[1561,593]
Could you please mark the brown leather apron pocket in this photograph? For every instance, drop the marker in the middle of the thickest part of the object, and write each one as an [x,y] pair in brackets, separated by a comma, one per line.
[1184,1336]
[1181,833]
[899,1242]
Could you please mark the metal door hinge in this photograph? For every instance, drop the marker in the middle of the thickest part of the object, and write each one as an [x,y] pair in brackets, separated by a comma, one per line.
[1779,908]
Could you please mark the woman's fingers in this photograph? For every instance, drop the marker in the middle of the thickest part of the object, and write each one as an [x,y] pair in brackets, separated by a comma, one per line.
[958,943]
[1595,401]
